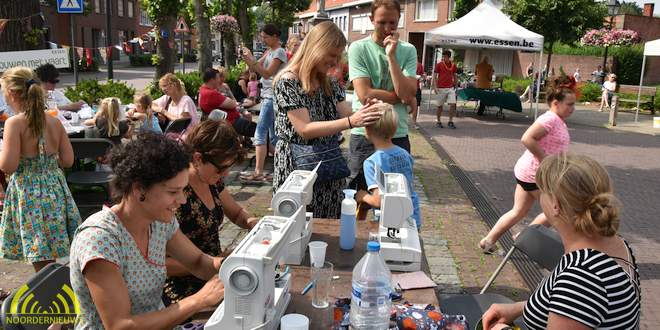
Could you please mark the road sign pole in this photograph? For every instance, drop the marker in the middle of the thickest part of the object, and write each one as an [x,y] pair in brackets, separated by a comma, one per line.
[73,48]
[108,36]
[183,61]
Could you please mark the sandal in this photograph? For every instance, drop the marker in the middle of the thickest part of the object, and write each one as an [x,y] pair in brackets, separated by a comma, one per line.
[255,179]
[487,246]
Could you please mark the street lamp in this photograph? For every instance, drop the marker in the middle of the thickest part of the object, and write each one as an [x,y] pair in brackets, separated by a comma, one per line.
[612,9]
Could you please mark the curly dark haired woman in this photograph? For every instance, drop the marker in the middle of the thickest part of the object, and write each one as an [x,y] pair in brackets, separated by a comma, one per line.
[118,254]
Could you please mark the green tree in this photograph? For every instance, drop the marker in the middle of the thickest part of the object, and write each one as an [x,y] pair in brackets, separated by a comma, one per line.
[463,7]
[630,8]
[557,20]
[164,13]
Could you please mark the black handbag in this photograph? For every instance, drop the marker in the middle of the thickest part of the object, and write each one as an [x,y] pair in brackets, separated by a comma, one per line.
[333,166]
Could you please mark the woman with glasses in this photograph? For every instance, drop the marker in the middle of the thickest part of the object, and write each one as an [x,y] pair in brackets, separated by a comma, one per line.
[175,102]
[49,77]
[216,148]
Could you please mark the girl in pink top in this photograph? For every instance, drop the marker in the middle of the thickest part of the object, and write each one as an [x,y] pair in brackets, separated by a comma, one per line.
[253,86]
[547,136]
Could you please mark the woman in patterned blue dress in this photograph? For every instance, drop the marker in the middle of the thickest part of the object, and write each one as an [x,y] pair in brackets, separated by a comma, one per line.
[40,216]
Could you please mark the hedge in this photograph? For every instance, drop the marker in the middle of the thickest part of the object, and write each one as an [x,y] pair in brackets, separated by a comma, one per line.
[92,92]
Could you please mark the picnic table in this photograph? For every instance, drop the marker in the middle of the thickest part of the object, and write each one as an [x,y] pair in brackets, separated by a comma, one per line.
[327,230]
[491,97]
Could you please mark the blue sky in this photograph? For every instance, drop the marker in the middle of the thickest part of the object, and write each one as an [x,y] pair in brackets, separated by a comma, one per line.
[656,11]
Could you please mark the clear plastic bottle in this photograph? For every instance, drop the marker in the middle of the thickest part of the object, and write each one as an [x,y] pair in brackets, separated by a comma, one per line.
[347,223]
[51,104]
[371,299]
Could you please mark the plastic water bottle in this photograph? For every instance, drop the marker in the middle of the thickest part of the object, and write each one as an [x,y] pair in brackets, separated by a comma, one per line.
[371,295]
[50,102]
[347,223]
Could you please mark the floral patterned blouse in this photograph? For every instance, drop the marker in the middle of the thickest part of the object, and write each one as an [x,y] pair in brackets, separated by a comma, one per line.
[201,226]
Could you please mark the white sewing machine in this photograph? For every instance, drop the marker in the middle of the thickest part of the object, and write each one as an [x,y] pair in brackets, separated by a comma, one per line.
[254,299]
[399,239]
[294,193]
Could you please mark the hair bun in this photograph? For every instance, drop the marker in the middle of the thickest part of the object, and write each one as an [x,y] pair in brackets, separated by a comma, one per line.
[604,212]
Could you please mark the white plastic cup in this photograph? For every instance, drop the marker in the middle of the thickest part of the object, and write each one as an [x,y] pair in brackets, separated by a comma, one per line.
[317,253]
[294,322]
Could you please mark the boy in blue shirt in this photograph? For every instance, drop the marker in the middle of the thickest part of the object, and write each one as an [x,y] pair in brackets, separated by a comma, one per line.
[390,158]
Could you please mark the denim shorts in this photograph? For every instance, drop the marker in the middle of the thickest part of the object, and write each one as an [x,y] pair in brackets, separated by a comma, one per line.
[266,124]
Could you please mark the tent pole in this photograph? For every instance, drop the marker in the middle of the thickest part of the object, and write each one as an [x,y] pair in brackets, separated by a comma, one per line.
[538,84]
[639,91]
[435,52]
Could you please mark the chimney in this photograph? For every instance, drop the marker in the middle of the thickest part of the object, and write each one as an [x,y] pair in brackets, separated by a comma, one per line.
[648,9]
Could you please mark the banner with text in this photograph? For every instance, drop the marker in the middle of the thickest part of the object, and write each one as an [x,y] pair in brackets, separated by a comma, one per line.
[34,58]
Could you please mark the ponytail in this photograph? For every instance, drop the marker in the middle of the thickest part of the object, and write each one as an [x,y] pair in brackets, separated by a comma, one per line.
[35,107]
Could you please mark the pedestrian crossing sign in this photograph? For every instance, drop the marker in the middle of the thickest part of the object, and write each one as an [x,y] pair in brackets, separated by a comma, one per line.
[70,6]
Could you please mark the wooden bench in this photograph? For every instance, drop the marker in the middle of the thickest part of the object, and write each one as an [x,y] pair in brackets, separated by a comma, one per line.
[647,95]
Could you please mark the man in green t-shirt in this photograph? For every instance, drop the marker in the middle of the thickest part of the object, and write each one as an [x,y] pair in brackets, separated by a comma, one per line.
[381,68]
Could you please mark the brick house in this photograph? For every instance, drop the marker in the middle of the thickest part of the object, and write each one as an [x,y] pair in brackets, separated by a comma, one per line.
[352,17]
[90,29]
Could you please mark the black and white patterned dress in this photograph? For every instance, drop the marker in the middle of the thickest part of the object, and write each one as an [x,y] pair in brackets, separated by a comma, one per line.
[289,95]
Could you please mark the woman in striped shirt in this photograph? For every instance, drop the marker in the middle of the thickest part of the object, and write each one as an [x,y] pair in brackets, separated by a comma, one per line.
[596,283]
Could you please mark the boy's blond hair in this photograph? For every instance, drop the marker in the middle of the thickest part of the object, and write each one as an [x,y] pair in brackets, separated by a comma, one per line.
[386,126]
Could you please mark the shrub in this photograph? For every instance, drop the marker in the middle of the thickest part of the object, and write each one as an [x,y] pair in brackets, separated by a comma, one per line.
[511,84]
[234,72]
[628,63]
[141,60]
[590,92]
[91,91]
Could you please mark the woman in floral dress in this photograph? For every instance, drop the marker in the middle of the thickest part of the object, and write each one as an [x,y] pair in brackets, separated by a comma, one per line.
[40,216]
[216,147]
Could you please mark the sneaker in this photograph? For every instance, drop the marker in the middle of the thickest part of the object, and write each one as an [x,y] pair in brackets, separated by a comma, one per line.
[451,125]
[438,124]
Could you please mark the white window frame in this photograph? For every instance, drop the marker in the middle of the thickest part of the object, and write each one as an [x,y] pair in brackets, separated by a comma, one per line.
[144,19]
[431,14]
[130,8]
[364,23]
[120,8]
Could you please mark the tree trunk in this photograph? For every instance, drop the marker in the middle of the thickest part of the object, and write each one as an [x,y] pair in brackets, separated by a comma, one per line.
[229,53]
[547,65]
[204,41]
[244,23]
[14,37]
[165,46]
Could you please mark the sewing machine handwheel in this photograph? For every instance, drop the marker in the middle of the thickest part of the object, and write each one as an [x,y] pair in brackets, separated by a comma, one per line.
[287,207]
[243,280]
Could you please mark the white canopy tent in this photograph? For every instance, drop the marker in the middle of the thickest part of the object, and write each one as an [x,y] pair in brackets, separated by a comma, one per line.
[651,48]
[486,27]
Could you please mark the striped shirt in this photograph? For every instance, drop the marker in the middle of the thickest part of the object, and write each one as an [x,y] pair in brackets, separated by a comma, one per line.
[589,287]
